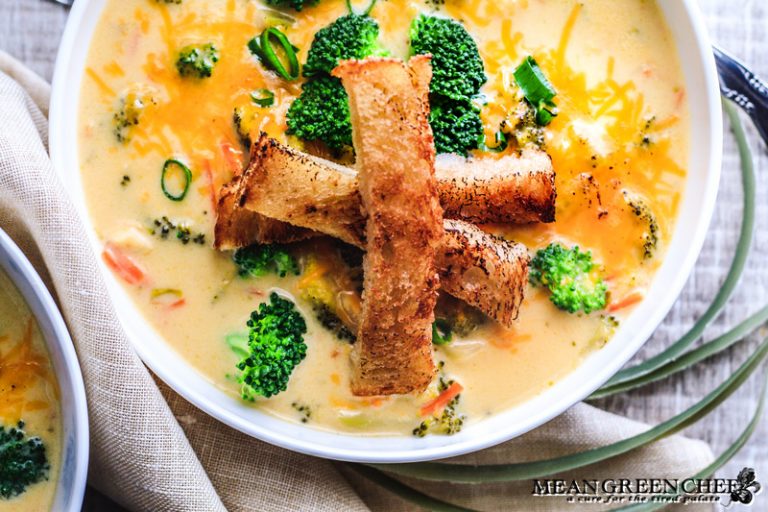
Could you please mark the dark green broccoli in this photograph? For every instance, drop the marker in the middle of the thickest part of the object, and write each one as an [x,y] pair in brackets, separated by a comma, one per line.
[197,60]
[276,345]
[321,113]
[331,321]
[295,4]
[456,125]
[260,259]
[457,76]
[457,68]
[571,277]
[350,37]
[23,461]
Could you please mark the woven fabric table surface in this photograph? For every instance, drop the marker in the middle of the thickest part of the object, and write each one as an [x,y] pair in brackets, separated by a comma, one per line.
[30,30]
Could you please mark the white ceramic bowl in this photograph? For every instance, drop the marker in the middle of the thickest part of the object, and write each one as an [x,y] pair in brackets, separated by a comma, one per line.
[697,61]
[74,411]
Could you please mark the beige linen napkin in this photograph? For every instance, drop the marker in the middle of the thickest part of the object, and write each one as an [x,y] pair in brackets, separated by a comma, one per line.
[151,450]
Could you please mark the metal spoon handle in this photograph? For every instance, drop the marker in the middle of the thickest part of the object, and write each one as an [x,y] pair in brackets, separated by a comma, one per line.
[740,85]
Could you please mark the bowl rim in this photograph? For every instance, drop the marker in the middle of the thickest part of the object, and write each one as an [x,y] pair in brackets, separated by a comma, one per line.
[195,388]
[73,471]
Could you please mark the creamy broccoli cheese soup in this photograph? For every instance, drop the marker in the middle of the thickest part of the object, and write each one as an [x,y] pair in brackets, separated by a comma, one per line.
[29,402]
[156,118]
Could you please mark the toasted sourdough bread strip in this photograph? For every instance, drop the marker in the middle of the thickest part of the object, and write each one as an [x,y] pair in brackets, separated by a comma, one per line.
[483,270]
[504,264]
[395,161]
[282,184]
[512,189]
[237,227]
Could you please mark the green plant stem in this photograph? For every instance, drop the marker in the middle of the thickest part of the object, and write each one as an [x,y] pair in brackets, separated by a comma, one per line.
[734,273]
[718,463]
[404,491]
[692,357]
[464,473]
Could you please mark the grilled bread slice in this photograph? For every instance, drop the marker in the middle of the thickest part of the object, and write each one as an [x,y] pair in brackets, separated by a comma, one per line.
[483,270]
[516,188]
[395,162]
[237,227]
[305,190]
[282,184]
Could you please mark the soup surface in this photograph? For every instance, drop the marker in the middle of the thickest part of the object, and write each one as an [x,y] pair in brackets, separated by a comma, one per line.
[622,127]
[28,392]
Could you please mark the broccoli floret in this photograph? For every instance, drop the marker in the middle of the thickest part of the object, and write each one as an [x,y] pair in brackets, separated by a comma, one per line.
[260,259]
[132,107]
[457,75]
[456,125]
[571,277]
[457,68]
[23,461]
[295,4]
[197,60]
[331,321]
[644,213]
[321,113]
[246,119]
[330,283]
[276,345]
[349,37]
[522,126]
[449,422]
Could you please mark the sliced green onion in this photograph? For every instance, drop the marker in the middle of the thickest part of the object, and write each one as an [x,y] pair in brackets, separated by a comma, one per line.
[365,12]
[263,97]
[469,473]
[238,343]
[161,292]
[719,344]
[186,174]
[734,272]
[441,332]
[420,499]
[718,463]
[501,143]
[166,297]
[264,49]
[407,493]
[537,90]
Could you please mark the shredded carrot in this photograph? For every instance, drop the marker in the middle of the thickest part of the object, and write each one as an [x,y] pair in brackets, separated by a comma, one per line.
[211,184]
[629,300]
[503,338]
[123,265]
[105,89]
[252,290]
[232,156]
[179,303]
[442,400]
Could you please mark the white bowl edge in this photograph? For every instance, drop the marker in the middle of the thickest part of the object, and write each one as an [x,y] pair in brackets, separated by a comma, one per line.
[73,473]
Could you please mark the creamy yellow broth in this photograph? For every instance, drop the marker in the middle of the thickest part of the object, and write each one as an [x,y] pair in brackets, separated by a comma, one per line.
[623,125]
[28,392]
